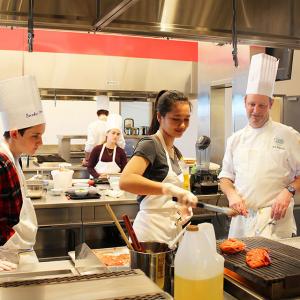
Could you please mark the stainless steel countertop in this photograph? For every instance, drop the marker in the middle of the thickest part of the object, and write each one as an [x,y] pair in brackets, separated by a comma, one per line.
[56,269]
[50,201]
[40,270]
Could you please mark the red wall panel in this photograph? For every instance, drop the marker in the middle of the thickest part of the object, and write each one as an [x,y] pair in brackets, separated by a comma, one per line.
[99,44]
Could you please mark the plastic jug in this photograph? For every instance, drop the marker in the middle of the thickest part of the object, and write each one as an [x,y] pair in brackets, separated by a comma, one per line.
[62,178]
[198,267]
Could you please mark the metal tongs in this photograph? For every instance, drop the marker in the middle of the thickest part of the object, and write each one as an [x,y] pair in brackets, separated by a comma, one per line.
[219,209]
[260,231]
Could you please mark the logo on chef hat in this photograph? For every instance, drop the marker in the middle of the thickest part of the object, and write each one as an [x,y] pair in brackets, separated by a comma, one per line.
[20,103]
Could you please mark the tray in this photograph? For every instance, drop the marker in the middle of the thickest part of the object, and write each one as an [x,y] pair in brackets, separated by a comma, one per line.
[101,181]
[73,196]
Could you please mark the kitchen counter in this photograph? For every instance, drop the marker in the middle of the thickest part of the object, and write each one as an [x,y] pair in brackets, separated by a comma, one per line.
[46,168]
[94,286]
[50,201]
[40,270]
[57,270]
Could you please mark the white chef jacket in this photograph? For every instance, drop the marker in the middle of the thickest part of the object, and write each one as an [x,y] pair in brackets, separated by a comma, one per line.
[261,162]
[97,135]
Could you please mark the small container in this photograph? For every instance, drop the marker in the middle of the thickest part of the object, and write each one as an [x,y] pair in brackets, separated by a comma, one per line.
[186,175]
[198,267]
[56,192]
[114,182]
[34,189]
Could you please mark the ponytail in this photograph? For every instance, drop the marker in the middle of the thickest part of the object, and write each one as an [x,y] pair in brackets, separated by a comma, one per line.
[154,123]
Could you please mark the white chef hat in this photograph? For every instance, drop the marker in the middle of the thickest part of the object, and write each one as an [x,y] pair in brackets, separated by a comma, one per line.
[20,103]
[114,121]
[102,102]
[262,75]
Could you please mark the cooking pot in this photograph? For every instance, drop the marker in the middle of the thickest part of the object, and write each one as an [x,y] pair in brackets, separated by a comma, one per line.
[156,262]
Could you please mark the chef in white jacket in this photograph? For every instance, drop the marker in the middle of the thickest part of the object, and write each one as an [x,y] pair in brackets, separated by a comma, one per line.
[23,123]
[261,166]
[97,129]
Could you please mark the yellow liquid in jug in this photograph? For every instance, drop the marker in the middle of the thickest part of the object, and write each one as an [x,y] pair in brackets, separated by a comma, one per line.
[208,289]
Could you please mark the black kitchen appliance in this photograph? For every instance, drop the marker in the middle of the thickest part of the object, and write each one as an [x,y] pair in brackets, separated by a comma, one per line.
[202,179]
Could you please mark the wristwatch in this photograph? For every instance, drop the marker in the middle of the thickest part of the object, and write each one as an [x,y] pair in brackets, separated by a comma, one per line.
[291,189]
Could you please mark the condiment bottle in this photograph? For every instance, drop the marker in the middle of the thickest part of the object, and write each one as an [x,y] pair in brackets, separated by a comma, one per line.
[198,267]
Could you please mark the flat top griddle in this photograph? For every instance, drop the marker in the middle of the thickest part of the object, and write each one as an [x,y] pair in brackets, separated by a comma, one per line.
[282,276]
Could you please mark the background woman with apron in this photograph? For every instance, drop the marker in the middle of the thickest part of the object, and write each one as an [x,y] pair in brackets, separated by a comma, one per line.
[108,158]
[23,128]
[154,173]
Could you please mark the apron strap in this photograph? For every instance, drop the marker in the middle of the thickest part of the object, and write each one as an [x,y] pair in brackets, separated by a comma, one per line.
[161,139]
[102,150]
[114,154]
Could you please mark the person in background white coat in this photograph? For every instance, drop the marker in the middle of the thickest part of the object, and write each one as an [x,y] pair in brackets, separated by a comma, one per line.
[261,165]
[97,131]
[23,124]
[154,172]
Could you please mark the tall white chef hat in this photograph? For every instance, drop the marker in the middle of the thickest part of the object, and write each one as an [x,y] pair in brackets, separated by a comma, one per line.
[262,75]
[20,103]
[102,102]
[114,121]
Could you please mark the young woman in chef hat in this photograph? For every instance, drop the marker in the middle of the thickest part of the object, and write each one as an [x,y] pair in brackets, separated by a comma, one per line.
[23,123]
[108,158]
[155,175]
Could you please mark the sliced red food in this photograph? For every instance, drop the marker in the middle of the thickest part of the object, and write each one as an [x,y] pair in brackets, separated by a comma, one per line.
[258,257]
[232,246]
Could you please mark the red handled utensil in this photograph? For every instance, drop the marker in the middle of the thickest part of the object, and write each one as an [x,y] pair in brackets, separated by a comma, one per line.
[137,246]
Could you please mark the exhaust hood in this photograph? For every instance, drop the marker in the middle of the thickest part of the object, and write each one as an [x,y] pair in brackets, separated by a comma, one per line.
[90,95]
[262,22]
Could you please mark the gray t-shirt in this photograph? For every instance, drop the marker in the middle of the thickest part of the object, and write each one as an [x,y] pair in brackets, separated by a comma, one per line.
[151,149]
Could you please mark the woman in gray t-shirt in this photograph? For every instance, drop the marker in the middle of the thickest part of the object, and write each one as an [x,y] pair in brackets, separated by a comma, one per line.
[154,173]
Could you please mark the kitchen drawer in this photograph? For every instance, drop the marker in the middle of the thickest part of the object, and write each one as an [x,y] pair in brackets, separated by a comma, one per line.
[131,210]
[57,216]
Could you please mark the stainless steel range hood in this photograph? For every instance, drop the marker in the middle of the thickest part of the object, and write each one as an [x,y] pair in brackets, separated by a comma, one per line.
[90,95]
[261,22]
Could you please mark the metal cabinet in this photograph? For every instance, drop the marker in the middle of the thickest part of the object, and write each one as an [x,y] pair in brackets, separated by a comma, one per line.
[98,228]
[62,228]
